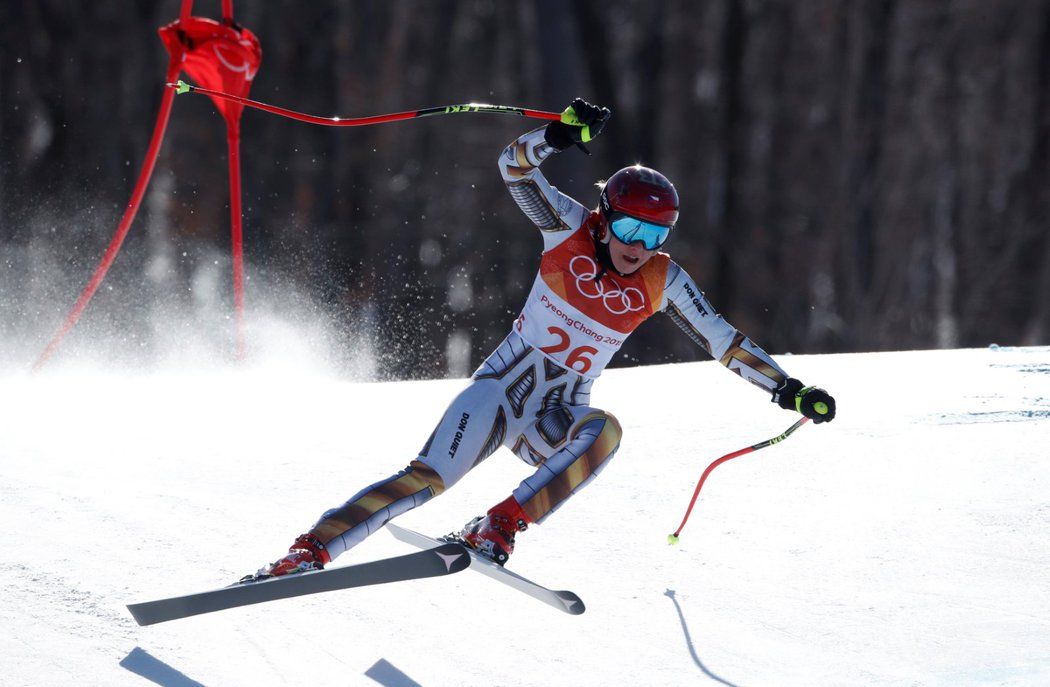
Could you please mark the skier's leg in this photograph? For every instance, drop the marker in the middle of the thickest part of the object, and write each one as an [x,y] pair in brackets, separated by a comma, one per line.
[471,429]
[591,442]
[367,511]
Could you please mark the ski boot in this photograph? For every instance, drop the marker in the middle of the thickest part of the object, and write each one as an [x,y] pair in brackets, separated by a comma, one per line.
[306,554]
[492,535]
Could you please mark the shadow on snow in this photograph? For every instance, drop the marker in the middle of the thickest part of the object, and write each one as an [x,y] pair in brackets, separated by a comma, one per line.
[140,662]
[689,641]
[387,675]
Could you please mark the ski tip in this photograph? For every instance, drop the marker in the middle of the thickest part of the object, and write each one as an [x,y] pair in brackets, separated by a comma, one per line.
[140,618]
[573,604]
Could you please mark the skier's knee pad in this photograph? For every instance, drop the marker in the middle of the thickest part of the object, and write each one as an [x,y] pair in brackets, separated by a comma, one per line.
[593,440]
[608,436]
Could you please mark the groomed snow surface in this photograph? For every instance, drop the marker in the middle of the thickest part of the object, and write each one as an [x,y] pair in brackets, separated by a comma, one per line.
[907,543]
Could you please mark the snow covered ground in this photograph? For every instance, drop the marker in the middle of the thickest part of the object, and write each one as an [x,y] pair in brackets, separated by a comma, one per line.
[907,543]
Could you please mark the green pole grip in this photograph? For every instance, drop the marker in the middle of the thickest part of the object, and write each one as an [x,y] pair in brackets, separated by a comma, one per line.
[819,406]
[569,117]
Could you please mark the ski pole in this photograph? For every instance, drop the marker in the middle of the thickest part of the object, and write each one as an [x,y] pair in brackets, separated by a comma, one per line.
[673,538]
[568,117]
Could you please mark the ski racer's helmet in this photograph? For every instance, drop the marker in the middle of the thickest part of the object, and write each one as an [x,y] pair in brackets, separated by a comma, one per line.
[640,205]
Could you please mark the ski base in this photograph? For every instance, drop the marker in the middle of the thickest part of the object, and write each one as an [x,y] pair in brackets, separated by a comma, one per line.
[444,559]
[562,600]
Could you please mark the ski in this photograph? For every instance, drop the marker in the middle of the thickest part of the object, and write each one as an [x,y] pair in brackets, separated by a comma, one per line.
[444,559]
[562,600]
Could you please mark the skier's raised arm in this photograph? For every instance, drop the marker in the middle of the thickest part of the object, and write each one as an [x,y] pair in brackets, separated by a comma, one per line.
[553,212]
[693,313]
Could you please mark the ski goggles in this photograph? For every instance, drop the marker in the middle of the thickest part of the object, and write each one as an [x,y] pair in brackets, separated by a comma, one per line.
[633,230]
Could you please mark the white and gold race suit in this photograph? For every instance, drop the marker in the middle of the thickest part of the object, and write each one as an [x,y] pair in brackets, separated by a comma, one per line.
[532,394]
[578,314]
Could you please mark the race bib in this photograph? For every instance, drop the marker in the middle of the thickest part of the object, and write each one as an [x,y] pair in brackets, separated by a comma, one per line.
[579,313]
[566,335]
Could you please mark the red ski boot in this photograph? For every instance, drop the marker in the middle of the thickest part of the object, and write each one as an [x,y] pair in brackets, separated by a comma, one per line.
[492,535]
[307,553]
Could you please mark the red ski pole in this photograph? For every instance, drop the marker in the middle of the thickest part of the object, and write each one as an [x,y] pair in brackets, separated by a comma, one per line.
[567,117]
[673,538]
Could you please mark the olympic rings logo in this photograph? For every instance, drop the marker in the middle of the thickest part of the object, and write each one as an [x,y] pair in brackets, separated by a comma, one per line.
[617,301]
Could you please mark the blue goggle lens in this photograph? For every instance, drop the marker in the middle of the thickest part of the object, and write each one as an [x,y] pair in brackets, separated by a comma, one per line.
[631,230]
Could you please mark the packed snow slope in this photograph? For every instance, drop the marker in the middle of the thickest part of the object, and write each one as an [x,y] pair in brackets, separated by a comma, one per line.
[906,543]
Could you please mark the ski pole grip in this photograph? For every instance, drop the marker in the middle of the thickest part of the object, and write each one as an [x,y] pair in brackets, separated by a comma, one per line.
[821,407]
[568,116]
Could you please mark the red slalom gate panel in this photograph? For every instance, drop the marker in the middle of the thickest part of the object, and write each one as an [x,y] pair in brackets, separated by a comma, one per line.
[217,55]
[222,57]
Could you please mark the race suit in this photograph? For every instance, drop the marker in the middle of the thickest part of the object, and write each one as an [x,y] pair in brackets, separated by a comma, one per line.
[532,394]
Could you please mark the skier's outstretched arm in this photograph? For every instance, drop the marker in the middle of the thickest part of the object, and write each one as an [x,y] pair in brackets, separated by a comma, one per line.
[556,214]
[693,313]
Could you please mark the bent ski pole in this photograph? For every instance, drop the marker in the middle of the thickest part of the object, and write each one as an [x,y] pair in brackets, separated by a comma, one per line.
[673,538]
[567,117]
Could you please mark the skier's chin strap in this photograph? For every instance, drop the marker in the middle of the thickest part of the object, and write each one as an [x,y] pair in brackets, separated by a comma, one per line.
[599,229]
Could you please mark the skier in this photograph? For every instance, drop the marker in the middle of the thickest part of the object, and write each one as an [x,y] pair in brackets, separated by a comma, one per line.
[600,276]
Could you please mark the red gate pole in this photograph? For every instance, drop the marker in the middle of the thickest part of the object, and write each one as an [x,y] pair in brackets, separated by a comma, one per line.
[125,222]
[233,145]
[193,44]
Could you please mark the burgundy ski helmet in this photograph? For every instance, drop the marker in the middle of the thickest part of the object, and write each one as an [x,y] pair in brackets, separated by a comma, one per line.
[642,193]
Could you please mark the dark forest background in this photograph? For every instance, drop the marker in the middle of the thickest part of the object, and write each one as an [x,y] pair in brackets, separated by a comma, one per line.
[855,176]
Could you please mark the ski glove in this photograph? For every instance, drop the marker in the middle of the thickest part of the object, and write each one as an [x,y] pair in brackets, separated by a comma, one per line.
[814,403]
[591,118]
